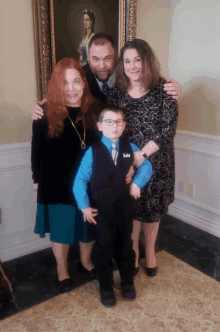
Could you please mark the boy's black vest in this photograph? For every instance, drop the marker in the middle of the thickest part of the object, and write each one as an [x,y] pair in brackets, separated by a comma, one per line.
[108,181]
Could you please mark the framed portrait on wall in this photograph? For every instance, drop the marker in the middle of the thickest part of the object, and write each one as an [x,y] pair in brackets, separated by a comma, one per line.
[75,22]
[64,29]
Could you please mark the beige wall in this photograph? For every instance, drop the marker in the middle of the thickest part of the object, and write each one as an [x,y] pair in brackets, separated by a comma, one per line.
[18,90]
[194,54]
[185,37]
[183,34]
[153,25]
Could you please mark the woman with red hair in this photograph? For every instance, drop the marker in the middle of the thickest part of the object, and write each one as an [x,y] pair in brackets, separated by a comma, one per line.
[58,141]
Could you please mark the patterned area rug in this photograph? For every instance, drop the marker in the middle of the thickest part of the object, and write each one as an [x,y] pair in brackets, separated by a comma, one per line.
[179,299]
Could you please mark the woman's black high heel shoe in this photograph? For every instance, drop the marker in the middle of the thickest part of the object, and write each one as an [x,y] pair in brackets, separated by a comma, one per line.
[65,285]
[92,273]
[151,272]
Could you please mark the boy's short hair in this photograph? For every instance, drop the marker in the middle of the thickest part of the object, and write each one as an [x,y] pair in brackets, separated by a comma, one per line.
[110,108]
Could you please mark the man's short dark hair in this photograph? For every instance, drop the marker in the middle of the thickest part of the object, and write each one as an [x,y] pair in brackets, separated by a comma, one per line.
[110,108]
[101,39]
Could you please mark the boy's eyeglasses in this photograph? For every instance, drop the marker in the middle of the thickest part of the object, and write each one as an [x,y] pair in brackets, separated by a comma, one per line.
[110,122]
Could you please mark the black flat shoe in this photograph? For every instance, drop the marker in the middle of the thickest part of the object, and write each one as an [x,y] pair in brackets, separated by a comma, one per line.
[136,270]
[92,273]
[65,285]
[128,292]
[151,271]
[107,298]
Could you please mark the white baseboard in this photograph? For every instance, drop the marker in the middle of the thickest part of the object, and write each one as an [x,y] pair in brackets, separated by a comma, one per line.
[196,218]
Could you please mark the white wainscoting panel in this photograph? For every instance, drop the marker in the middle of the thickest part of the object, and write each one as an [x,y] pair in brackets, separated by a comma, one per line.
[198,163]
[17,203]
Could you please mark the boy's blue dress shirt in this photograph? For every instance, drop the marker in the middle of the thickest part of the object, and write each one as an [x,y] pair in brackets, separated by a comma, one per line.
[83,176]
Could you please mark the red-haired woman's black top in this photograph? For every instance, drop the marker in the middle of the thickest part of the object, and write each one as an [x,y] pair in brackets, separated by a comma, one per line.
[55,160]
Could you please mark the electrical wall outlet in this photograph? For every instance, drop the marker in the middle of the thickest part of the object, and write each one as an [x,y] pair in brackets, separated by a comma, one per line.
[191,189]
[181,187]
[187,188]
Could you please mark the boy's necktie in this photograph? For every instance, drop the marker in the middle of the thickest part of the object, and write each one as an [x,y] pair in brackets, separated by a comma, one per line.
[105,88]
[114,153]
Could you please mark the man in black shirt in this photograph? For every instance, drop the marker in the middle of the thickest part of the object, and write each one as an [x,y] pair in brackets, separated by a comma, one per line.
[100,69]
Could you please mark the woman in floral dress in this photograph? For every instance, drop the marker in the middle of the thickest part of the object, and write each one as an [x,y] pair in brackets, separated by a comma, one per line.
[151,116]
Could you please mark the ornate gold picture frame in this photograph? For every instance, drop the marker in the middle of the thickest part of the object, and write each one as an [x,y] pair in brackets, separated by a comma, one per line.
[44,36]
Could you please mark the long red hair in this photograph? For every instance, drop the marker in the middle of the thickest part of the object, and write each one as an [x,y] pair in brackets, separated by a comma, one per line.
[56,111]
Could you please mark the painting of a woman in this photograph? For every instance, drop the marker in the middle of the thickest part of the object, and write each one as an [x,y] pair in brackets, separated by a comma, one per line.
[89,22]
[75,23]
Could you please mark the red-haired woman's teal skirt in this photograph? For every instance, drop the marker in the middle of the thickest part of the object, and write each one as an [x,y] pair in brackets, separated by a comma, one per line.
[64,223]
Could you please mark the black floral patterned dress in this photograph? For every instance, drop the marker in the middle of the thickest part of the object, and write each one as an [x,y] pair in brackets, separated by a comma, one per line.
[152,117]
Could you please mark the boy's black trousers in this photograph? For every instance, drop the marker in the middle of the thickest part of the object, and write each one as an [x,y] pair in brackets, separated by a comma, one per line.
[113,240]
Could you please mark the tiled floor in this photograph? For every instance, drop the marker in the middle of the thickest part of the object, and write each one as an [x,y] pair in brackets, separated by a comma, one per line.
[34,276]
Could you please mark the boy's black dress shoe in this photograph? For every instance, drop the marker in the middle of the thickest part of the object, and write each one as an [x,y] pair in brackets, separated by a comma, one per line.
[151,272]
[108,298]
[128,292]
[65,285]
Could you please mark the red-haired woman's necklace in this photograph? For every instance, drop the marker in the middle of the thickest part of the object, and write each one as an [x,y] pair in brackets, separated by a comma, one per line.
[83,144]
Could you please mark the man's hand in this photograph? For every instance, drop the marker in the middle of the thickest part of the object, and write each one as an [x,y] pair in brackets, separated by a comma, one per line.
[135,191]
[89,214]
[173,88]
[129,175]
[38,110]
[35,185]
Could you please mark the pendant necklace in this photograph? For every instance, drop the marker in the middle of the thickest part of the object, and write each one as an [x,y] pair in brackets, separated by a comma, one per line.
[83,144]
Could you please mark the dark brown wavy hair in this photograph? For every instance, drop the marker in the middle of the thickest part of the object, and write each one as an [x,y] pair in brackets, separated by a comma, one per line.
[151,68]
[55,110]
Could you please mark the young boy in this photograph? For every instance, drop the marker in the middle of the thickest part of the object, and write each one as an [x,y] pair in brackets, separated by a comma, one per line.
[105,166]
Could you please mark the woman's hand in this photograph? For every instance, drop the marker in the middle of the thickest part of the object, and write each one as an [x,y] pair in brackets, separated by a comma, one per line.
[135,191]
[89,214]
[150,148]
[129,175]
[138,159]
[173,88]
[38,110]
[35,186]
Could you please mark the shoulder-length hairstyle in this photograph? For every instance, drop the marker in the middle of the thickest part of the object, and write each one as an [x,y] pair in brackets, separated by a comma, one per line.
[56,111]
[150,70]
[91,15]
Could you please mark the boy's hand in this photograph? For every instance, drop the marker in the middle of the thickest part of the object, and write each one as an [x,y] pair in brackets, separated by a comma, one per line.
[129,175]
[135,191]
[173,88]
[38,110]
[89,214]
[35,185]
